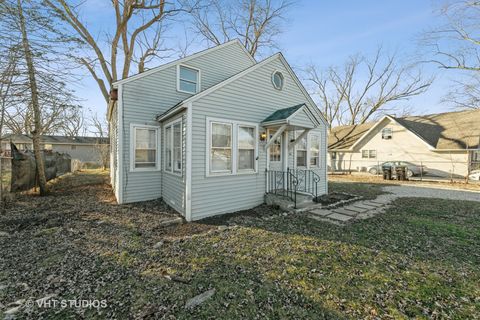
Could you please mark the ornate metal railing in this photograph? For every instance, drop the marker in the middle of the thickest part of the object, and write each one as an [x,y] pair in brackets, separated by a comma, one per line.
[289,183]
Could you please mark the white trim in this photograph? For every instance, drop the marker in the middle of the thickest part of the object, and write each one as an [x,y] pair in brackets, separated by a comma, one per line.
[309,153]
[188,164]
[275,136]
[171,124]
[198,86]
[133,133]
[183,60]
[234,124]
[283,79]
[120,134]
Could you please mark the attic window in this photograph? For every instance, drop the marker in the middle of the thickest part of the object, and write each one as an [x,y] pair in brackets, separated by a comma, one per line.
[387,133]
[277,80]
[188,79]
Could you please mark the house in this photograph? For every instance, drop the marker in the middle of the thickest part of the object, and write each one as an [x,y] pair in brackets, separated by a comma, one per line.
[448,144]
[85,149]
[203,131]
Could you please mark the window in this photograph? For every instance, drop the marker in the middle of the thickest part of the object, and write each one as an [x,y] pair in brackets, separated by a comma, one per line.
[246,148]
[221,147]
[232,147]
[314,151]
[188,79]
[302,152]
[173,146]
[277,80]
[387,133]
[369,154]
[275,148]
[144,147]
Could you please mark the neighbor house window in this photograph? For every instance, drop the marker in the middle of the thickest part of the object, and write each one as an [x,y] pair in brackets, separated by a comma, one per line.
[188,79]
[144,147]
[221,147]
[275,147]
[173,146]
[369,154]
[387,133]
[246,148]
[232,147]
[302,152]
[314,151]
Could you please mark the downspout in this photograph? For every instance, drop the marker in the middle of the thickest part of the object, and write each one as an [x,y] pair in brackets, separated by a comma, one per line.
[188,164]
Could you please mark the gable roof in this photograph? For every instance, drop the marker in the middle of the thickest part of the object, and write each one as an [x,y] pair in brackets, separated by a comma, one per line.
[442,131]
[181,105]
[183,60]
[51,139]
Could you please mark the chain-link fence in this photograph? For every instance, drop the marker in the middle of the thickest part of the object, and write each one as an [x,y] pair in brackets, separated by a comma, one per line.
[454,170]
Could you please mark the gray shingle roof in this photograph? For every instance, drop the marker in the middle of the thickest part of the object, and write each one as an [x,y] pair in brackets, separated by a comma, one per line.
[450,130]
[23,138]
[283,114]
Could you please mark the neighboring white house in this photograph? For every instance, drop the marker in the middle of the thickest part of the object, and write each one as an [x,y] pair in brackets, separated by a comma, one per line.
[85,149]
[448,144]
[201,132]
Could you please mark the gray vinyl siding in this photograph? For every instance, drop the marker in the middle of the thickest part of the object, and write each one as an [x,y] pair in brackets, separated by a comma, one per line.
[113,127]
[173,184]
[301,119]
[149,96]
[251,98]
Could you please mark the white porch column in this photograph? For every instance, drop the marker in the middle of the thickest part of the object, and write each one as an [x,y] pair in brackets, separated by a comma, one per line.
[285,150]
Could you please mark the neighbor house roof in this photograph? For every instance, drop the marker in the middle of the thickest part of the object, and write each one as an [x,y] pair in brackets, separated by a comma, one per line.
[343,137]
[441,131]
[23,138]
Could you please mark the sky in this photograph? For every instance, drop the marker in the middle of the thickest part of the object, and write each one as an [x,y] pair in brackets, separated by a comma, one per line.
[325,33]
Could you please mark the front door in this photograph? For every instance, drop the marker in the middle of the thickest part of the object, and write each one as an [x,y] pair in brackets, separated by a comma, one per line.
[275,154]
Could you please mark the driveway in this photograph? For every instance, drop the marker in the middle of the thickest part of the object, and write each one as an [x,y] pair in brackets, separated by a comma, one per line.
[429,192]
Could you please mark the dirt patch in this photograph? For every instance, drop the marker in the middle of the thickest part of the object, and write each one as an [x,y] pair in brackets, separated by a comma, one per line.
[332,198]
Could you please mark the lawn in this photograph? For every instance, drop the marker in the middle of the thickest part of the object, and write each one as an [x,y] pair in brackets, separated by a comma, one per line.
[420,259]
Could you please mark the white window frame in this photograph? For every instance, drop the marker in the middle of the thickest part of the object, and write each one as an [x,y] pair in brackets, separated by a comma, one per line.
[384,136]
[199,77]
[309,151]
[234,159]
[368,151]
[283,80]
[133,133]
[255,139]
[170,125]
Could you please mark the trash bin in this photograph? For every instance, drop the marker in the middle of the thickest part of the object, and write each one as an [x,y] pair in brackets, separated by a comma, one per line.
[387,173]
[401,173]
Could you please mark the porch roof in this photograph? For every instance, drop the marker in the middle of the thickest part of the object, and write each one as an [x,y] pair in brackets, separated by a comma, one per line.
[298,116]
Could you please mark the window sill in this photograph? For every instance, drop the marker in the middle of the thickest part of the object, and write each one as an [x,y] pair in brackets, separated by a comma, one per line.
[188,92]
[145,170]
[224,174]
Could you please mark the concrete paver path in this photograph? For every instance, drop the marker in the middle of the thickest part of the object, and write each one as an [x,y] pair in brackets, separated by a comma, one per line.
[368,208]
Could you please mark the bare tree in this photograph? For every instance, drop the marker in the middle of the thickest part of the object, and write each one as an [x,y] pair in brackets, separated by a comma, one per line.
[7,74]
[136,36]
[257,23]
[455,45]
[37,129]
[99,128]
[363,87]
[74,123]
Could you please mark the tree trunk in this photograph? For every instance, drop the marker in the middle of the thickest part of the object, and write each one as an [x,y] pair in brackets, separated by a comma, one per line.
[40,166]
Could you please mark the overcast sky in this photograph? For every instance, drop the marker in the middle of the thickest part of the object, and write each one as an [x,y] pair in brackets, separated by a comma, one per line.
[327,33]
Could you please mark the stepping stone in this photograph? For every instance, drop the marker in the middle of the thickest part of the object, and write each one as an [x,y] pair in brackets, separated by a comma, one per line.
[339,217]
[317,218]
[343,211]
[363,206]
[381,201]
[321,212]
[373,204]
[356,209]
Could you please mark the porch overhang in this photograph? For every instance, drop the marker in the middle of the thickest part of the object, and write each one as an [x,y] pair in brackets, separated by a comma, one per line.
[298,117]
